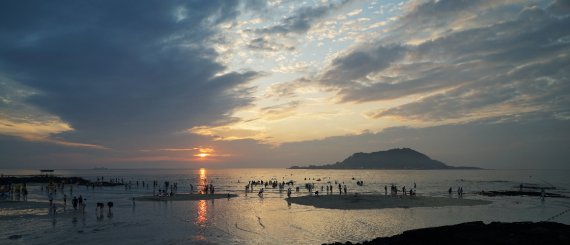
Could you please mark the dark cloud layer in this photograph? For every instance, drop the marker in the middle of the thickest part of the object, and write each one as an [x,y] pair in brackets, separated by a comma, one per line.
[301,20]
[514,57]
[117,68]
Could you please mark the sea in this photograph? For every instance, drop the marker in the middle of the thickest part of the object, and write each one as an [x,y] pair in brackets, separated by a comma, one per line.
[250,219]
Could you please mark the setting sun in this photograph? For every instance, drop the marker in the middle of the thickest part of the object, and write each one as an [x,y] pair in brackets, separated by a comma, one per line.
[204,152]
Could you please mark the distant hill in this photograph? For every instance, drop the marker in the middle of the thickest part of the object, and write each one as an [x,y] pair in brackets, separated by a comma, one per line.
[404,158]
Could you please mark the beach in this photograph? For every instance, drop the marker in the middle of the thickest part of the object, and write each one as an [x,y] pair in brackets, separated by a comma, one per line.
[350,202]
[271,218]
[20,208]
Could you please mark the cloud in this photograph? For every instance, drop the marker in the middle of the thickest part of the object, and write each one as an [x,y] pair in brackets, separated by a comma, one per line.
[113,69]
[265,44]
[356,65]
[560,7]
[280,111]
[287,89]
[301,20]
[512,59]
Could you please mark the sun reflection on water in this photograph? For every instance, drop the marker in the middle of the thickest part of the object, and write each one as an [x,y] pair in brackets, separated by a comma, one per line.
[202,211]
[202,206]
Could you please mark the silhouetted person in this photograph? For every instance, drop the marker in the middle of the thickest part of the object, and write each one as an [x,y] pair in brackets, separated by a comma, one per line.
[110,205]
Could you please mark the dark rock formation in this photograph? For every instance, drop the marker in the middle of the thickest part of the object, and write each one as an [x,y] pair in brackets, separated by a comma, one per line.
[481,233]
[5,180]
[404,158]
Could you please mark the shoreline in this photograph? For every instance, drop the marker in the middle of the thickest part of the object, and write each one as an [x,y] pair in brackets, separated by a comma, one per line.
[352,202]
[478,232]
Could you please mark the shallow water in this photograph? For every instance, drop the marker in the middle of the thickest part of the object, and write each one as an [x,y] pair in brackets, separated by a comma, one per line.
[249,219]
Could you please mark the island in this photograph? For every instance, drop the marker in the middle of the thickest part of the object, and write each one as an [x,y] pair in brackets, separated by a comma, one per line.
[399,158]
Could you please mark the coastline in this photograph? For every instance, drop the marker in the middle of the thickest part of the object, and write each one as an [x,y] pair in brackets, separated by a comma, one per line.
[478,232]
[352,202]
[268,219]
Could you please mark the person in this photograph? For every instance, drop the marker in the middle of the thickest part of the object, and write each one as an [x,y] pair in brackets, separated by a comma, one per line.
[289,192]
[64,200]
[74,202]
[50,198]
[110,205]
[260,193]
[99,207]
[52,209]
[449,191]
[83,204]
[385,190]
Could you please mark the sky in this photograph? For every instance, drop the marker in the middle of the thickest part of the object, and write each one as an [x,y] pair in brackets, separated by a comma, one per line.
[188,84]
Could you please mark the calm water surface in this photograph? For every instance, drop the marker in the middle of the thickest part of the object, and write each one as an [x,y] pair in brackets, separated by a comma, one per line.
[249,219]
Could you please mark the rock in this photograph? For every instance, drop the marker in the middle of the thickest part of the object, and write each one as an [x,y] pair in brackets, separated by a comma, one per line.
[15,237]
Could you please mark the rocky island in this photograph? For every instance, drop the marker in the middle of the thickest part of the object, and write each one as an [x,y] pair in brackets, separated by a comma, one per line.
[399,158]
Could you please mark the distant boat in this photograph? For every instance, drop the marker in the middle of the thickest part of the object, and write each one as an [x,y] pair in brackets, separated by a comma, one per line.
[100,168]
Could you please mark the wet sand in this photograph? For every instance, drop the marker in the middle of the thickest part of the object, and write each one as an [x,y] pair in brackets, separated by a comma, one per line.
[10,209]
[9,204]
[349,202]
[185,197]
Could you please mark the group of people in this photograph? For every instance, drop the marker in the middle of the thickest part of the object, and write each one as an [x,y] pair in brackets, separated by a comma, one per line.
[310,187]
[459,191]
[173,187]
[100,206]
[394,190]
[328,187]
[15,191]
[77,203]
[267,184]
